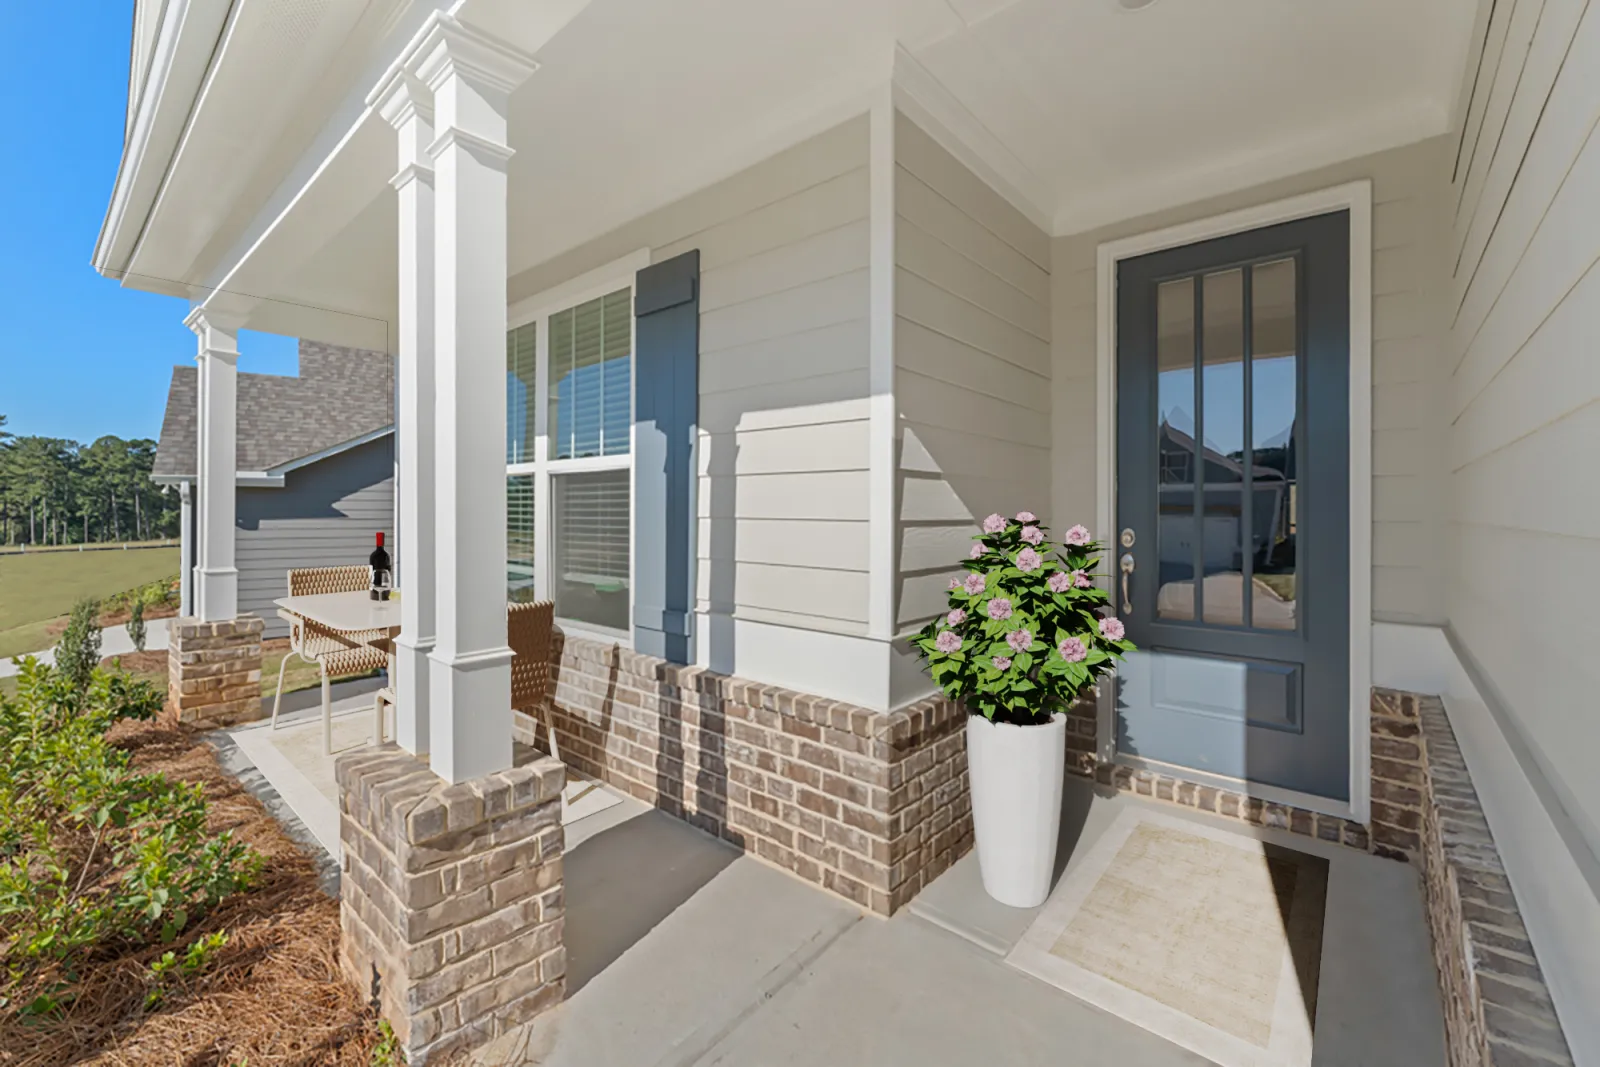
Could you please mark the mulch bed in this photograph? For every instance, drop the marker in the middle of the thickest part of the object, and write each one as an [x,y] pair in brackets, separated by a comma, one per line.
[274,994]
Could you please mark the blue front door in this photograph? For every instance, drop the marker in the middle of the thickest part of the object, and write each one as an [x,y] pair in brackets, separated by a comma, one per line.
[1233,385]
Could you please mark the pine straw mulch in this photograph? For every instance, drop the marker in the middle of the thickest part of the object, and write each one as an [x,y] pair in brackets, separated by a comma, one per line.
[273,995]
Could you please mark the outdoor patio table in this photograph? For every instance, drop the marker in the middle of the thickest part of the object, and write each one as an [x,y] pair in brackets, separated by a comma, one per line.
[340,613]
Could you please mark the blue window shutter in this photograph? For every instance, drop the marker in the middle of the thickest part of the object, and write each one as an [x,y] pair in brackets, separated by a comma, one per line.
[666,417]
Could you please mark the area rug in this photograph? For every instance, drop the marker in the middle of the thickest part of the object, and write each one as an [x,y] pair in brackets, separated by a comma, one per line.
[1210,938]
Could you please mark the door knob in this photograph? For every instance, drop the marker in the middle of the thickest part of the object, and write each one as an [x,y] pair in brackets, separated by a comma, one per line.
[1127,573]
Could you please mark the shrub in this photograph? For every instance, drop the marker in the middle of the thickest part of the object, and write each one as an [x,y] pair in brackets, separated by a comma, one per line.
[92,852]
[1024,636]
[136,631]
[78,651]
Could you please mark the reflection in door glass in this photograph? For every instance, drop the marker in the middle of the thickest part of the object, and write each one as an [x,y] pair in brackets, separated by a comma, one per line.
[1222,434]
[1175,540]
[1273,374]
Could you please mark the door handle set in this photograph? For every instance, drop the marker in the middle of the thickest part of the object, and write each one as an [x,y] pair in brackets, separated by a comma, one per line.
[1126,566]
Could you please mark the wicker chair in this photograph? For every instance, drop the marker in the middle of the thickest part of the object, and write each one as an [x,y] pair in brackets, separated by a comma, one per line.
[334,653]
[530,633]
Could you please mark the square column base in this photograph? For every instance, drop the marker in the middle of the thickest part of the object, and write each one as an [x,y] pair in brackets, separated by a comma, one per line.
[451,904]
[214,670]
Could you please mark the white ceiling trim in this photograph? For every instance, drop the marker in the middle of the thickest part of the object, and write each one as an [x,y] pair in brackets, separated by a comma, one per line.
[926,100]
[1361,136]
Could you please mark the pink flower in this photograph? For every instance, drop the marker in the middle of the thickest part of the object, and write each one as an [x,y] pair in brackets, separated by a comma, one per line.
[947,641]
[978,549]
[1078,535]
[1002,663]
[974,584]
[1081,579]
[999,608]
[956,617]
[1032,534]
[1020,640]
[1072,649]
[1112,628]
[955,583]
[994,524]
[1060,582]
[1029,560]
[1027,516]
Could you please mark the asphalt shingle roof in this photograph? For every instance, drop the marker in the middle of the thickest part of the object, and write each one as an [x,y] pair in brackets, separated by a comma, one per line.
[339,395]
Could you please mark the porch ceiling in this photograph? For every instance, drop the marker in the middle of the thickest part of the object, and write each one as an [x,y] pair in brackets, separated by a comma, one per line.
[1082,113]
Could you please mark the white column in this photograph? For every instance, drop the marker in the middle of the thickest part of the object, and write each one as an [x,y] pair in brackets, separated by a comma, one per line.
[407,104]
[217,582]
[471,76]
[185,551]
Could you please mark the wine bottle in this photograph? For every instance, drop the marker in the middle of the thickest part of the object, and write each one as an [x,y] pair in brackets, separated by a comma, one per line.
[382,576]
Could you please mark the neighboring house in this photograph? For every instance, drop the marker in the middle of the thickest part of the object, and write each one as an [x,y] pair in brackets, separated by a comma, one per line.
[793,294]
[314,473]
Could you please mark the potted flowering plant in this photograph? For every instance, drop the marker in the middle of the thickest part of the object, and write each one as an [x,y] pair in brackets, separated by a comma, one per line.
[1026,635]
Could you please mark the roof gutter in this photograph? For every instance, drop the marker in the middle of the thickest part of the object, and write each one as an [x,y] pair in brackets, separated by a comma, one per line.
[185,45]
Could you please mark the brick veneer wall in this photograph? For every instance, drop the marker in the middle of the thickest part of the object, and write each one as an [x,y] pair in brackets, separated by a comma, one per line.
[214,669]
[1498,1011]
[451,906]
[869,805]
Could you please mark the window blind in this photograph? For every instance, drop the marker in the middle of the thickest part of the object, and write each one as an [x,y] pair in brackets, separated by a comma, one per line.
[591,377]
[590,582]
[522,377]
[520,538]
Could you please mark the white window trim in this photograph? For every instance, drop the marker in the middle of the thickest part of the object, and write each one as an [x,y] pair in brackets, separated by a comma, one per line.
[618,274]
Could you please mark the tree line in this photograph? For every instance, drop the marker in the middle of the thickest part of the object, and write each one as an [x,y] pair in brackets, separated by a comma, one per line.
[59,492]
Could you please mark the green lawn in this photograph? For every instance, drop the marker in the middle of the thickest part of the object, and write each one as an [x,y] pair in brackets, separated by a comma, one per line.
[37,588]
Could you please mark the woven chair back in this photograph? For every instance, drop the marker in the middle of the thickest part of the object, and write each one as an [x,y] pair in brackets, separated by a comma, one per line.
[529,632]
[336,651]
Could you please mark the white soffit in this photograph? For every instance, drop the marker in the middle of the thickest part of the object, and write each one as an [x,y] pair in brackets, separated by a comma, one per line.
[1105,114]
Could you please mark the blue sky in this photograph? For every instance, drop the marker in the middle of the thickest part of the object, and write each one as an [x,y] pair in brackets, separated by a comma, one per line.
[80,356]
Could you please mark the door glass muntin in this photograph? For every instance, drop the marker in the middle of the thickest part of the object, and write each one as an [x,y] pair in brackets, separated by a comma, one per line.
[1263,448]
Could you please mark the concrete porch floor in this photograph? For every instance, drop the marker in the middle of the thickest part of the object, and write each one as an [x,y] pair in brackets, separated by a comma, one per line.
[683,951]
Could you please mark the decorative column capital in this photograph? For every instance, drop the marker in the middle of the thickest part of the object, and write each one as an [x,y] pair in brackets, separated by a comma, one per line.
[217,330]
[402,96]
[447,47]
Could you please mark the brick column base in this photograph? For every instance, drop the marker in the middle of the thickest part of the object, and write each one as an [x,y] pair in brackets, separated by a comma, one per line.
[451,897]
[214,670]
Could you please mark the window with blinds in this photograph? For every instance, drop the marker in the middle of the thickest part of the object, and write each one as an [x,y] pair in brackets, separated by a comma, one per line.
[591,546]
[520,538]
[522,376]
[591,377]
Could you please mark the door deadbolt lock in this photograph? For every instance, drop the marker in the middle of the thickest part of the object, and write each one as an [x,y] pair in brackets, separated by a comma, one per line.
[1127,537]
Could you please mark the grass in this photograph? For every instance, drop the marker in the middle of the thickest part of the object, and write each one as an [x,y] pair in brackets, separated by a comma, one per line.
[38,588]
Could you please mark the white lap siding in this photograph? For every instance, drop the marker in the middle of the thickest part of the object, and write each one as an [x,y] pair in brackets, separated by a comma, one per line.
[783,378]
[972,363]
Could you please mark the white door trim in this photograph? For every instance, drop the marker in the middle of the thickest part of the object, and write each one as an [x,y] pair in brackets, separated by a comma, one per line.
[1355,197]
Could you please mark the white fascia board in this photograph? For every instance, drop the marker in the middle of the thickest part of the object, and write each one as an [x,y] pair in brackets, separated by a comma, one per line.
[185,42]
[333,450]
[241,479]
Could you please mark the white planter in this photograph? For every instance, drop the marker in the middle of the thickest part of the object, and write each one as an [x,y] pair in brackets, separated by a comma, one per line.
[1016,774]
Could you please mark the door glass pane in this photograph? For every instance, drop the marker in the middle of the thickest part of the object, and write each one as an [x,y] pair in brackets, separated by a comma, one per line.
[520,382]
[591,369]
[1175,533]
[1273,376]
[519,538]
[1222,430]
[590,582]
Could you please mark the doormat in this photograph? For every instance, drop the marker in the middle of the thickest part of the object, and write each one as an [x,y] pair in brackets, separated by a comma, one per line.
[1207,937]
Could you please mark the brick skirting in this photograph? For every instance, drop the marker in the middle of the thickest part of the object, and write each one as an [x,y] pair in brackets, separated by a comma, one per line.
[1498,1011]
[214,670]
[451,908]
[869,805]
